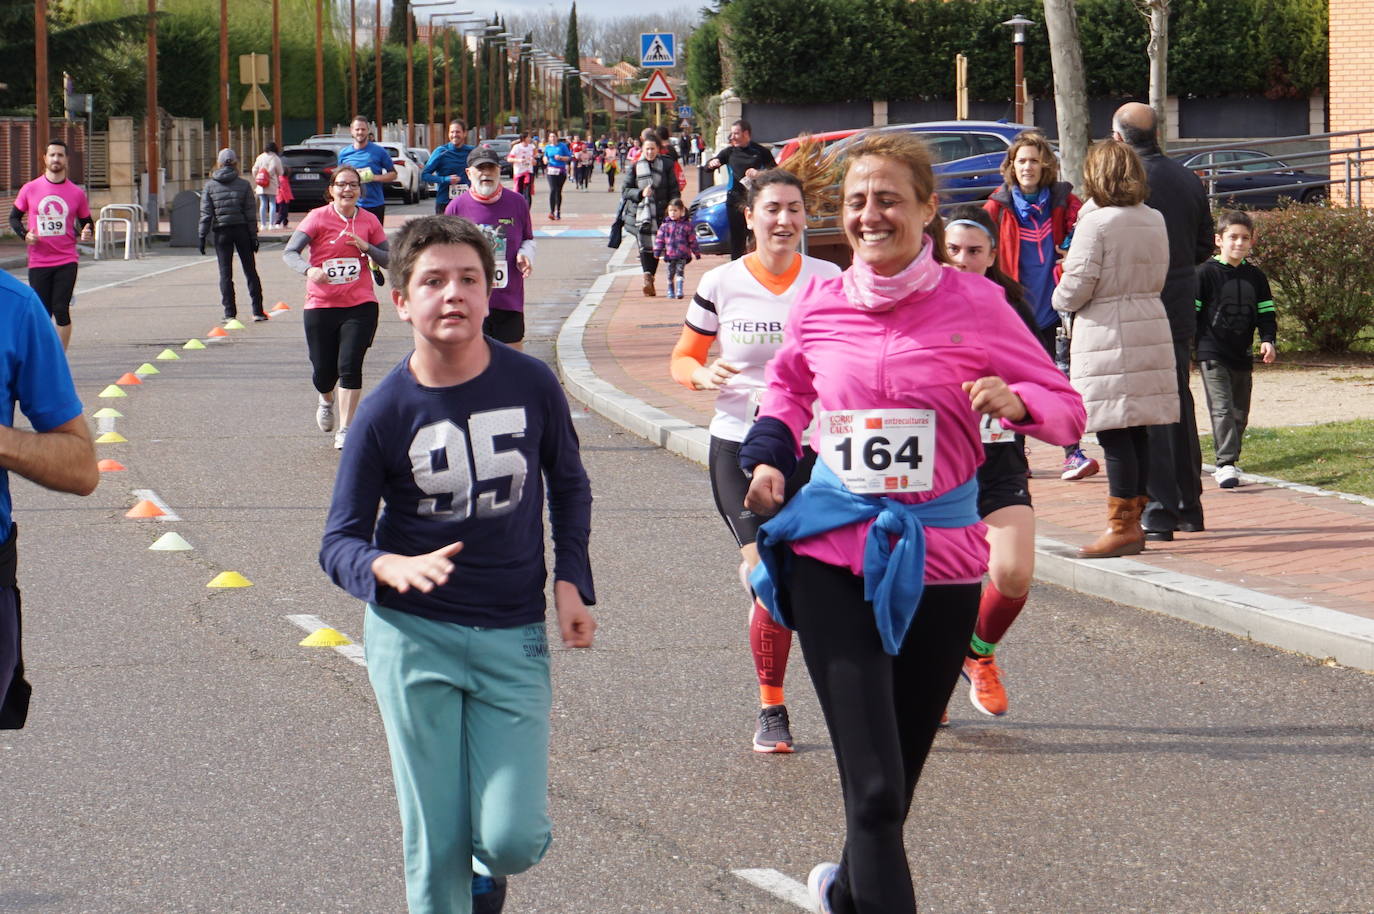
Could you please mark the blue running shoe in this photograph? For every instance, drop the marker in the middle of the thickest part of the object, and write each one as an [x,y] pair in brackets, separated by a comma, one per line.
[488,894]
[818,884]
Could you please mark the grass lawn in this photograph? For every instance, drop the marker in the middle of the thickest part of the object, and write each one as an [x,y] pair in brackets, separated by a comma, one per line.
[1337,455]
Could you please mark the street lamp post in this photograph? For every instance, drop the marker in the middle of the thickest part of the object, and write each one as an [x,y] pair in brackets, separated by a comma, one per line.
[377,51]
[1018,25]
[352,59]
[410,68]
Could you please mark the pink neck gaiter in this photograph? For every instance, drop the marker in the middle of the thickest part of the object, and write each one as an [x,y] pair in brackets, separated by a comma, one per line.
[868,291]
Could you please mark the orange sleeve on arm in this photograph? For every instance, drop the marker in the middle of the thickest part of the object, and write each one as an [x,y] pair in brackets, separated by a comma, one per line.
[689,354]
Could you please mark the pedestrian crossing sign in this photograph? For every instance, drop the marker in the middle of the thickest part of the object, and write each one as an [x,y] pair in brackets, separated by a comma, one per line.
[658,89]
[657,49]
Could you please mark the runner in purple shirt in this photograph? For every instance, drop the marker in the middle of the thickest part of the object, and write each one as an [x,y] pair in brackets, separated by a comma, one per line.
[504,217]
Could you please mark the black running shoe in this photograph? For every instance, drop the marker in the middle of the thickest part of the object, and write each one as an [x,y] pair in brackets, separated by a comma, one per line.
[488,894]
[773,733]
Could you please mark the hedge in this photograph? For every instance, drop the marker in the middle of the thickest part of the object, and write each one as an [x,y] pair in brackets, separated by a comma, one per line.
[806,51]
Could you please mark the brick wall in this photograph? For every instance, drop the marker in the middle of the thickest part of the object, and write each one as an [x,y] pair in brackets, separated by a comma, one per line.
[1351,102]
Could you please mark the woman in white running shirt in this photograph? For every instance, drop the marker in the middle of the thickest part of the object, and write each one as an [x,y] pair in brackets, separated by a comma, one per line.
[743,306]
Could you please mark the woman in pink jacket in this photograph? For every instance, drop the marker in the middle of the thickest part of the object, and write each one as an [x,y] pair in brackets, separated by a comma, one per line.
[877,561]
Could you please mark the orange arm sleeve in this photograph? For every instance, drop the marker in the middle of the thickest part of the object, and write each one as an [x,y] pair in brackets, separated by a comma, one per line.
[689,354]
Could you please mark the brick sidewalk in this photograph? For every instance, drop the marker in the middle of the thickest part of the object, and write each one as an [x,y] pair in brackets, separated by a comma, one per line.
[1308,548]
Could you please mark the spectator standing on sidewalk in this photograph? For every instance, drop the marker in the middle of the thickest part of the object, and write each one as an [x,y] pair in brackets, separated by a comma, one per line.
[267,172]
[227,209]
[1122,350]
[1176,454]
[649,188]
[50,214]
[1036,214]
[1233,302]
[57,454]
[677,244]
[744,158]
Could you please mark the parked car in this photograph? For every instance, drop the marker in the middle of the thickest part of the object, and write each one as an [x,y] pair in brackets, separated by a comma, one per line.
[407,182]
[420,155]
[785,149]
[968,158]
[327,141]
[1249,178]
[310,169]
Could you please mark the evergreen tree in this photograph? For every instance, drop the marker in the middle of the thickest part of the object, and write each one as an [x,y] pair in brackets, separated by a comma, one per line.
[574,105]
[398,23]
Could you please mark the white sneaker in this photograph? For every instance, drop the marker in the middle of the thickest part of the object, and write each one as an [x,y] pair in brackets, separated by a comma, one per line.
[324,416]
[1228,477]
[339,437]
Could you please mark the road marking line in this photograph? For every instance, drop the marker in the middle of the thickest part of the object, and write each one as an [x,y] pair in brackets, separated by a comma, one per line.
[777,885]
[167,513]
[125,282]
[311,624]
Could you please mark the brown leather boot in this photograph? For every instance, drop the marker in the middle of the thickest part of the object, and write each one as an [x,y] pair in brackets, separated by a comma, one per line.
[1123,536]
[649,285]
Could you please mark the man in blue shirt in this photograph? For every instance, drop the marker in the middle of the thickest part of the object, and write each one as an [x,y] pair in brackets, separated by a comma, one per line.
[57,454]
[375,167]
[448,165]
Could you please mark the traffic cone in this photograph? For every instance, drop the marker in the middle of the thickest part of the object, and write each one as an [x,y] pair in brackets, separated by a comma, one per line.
[129,377]
[107,412]
[110,466]
[170,542]
[233,324]
[280,306]
[145,369]
[326,637]
[145,508]
[111,438]
[229,579]
[168,355]
[194,344]
[112,392]
[217,332]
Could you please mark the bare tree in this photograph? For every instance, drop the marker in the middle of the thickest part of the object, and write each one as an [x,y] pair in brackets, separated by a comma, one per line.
[1070,87]
[1156,12]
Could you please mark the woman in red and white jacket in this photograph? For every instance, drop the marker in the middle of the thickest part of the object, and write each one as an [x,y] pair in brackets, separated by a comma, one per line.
[877,561]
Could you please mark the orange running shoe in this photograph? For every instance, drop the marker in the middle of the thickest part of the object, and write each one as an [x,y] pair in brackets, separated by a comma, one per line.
[985,689]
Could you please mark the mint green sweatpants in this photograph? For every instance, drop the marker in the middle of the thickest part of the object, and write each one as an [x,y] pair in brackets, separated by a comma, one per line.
[466,712]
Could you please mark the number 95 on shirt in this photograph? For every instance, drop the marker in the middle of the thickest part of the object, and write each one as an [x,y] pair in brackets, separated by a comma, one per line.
[880,451]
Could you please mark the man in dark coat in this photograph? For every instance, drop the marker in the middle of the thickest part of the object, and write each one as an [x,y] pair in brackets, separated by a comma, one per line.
[227,205]
[1175,485]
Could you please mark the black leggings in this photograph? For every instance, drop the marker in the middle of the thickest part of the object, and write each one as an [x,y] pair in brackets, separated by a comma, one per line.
[647,261]
[556,183]
[54,286]
[882,713]
[337,339]
[1128,460]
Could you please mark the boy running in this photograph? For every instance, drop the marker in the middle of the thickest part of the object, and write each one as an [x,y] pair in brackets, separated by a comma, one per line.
[459,441]
[1233,301]
[49,214]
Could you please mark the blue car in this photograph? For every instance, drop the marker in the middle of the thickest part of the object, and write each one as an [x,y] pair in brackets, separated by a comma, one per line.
[968,160]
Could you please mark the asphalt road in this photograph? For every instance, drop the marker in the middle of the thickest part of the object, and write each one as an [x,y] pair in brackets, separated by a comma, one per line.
[184,754]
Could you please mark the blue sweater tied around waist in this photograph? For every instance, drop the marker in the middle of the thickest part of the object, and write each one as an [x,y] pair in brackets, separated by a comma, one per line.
[894,572]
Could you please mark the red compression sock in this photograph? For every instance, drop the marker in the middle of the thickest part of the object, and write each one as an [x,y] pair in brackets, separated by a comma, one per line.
[996,613]
[770,643]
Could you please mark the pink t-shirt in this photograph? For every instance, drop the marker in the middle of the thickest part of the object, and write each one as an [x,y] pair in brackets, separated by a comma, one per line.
[349,281]
[53,210]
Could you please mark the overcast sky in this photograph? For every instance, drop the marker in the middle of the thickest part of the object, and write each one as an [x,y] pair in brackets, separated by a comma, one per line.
[601,9]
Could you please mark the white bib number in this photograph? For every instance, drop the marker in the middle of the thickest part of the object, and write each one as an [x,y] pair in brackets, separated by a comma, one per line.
[880,451]
[994,432]
[341,270]
[502,272]
[51,226]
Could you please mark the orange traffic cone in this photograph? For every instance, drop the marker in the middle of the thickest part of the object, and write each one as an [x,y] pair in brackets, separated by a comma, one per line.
[145,508]
[110,466]
[129,378]
[217,332]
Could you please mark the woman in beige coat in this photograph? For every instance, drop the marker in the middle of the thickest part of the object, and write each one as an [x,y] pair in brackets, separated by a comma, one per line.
[1122,355]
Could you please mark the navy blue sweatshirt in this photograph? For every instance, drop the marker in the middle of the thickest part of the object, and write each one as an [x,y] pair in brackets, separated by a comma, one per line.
[1232,303]
[466,463]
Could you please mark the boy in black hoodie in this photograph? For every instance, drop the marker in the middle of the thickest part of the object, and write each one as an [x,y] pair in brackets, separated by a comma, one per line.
[1233,301]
